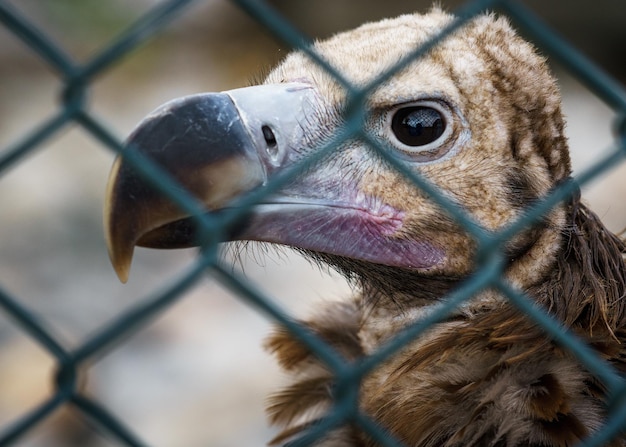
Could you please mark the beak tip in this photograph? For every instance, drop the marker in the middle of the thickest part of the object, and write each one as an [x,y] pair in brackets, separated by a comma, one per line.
[123,276]
[120,255]
[121,265]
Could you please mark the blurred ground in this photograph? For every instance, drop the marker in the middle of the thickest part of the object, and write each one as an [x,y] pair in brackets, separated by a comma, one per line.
[197,375]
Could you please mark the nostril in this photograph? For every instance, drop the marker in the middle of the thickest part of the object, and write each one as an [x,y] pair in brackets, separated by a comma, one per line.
[270,139]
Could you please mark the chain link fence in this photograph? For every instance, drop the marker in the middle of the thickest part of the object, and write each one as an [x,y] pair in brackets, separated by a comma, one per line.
[77,80]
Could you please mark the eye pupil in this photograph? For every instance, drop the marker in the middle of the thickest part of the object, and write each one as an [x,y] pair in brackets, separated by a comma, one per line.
[418,126]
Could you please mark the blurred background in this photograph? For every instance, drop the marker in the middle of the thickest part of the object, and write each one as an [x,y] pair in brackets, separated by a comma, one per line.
[197,375]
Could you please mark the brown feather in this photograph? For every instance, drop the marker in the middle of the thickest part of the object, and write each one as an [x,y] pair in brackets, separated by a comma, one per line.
[300,397]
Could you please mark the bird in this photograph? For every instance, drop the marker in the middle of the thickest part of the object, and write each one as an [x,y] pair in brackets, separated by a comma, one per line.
[478,117]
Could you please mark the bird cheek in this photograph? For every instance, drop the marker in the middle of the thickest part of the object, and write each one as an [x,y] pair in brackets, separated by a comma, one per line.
[457,248]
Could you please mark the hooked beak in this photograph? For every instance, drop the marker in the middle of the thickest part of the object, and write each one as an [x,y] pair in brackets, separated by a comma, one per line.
[216,146]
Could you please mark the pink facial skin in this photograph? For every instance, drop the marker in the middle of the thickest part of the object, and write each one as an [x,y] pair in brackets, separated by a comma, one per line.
[350,230]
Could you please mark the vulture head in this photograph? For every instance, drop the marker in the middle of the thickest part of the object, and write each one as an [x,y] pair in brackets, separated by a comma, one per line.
[478,118]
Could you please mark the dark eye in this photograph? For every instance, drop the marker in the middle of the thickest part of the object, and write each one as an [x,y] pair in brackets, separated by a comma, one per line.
[418,125]
[424,131]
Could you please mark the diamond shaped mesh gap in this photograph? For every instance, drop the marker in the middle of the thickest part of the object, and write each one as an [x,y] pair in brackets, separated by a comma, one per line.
[77,79]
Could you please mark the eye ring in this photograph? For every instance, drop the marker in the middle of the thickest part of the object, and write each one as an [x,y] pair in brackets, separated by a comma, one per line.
[420,129]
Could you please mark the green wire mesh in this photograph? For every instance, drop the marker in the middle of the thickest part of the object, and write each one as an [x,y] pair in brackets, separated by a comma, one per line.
[72,110]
